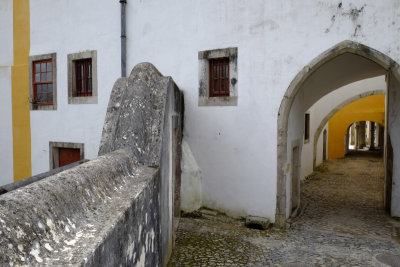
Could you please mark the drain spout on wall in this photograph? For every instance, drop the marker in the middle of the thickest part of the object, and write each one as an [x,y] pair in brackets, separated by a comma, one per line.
[123,38]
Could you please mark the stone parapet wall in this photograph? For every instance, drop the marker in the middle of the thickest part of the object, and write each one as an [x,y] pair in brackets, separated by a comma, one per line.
[117,209]
[67,218]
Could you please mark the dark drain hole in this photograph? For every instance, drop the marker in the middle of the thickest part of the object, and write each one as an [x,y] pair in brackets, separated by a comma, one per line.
[193,215]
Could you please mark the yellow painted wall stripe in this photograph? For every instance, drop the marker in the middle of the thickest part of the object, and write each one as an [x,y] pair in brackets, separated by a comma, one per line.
[20,91]
[371,108]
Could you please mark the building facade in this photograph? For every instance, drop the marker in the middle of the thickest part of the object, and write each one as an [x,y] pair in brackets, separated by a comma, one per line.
[249,71]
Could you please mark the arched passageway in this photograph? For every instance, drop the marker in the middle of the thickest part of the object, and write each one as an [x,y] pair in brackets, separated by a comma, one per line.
[330,114]
[373,136]
[371,108]
[344,63]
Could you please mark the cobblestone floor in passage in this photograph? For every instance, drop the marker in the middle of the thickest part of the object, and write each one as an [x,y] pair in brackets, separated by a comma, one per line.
[342,223]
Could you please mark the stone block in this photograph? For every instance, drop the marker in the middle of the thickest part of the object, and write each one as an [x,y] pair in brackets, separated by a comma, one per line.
[257,222]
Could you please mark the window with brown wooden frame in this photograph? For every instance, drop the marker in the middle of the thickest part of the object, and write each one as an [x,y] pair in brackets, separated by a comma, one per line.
[82,77]
[219,77]
[42,81]
[83,72]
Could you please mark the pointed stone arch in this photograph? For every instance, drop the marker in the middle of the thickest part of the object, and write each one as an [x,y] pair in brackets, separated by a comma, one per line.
[387,64]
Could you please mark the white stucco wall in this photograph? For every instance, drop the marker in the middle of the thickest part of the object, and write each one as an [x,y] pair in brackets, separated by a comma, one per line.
[235,147]
[6,32]
[6,61]
[324,107]
[320,145]
[6,138]
[65,27]
[393,126]
[306,166]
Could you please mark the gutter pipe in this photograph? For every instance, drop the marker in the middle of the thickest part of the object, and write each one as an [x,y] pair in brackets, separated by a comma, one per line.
[123,38]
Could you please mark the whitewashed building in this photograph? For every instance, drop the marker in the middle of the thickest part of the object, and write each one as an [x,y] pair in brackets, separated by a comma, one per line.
[249,70]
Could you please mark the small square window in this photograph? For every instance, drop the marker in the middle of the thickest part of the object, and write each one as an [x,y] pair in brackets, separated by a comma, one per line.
[82,78]
[43,82]
[62,153]
[218,77]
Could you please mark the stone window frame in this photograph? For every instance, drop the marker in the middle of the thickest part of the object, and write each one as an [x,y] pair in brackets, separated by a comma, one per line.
[53,57]
[53,149]
[204,72]
[72,58]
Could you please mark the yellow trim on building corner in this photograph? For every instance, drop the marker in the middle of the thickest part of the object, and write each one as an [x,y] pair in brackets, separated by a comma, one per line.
[20,91]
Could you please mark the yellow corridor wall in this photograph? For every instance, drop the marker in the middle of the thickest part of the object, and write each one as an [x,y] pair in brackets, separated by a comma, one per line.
[20,91]
[371,108]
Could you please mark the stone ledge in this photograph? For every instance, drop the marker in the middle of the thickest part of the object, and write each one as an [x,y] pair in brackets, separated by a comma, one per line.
[68,217]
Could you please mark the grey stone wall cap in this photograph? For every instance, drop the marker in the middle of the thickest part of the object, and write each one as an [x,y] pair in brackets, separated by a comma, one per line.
[135,114]
[60,220]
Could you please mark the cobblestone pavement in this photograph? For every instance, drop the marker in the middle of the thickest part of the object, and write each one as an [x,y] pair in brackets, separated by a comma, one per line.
[342,223]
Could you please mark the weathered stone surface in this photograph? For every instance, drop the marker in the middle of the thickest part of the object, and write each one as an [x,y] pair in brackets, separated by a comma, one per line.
[145,115]
[389,259]
[10,187]
[116,210]
[135,114]
[344,225]
[69,217]
[261,222]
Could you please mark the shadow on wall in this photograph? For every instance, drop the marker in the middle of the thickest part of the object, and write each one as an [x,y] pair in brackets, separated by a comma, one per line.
[117,209]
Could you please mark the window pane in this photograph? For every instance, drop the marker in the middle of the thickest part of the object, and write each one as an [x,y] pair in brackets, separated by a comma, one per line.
[47,98]
[39,89]
[43,67]
[89,71]
[50,97]
[89,89]
[78,72]
[49,76]
[50,88]
[43,77]
[37,77]
[37,67]
[49,66]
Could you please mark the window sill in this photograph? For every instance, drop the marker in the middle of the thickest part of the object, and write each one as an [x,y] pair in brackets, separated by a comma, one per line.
[42,107]
[218,101]
[82,100]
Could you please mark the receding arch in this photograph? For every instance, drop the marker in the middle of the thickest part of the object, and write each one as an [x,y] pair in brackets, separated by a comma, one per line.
[387,65]
[347,134]
[332,112]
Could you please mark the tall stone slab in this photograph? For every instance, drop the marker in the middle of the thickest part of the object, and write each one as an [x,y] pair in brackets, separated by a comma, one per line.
[145,115]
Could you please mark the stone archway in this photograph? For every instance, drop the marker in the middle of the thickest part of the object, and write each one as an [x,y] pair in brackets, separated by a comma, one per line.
[387,65]
[347,134]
